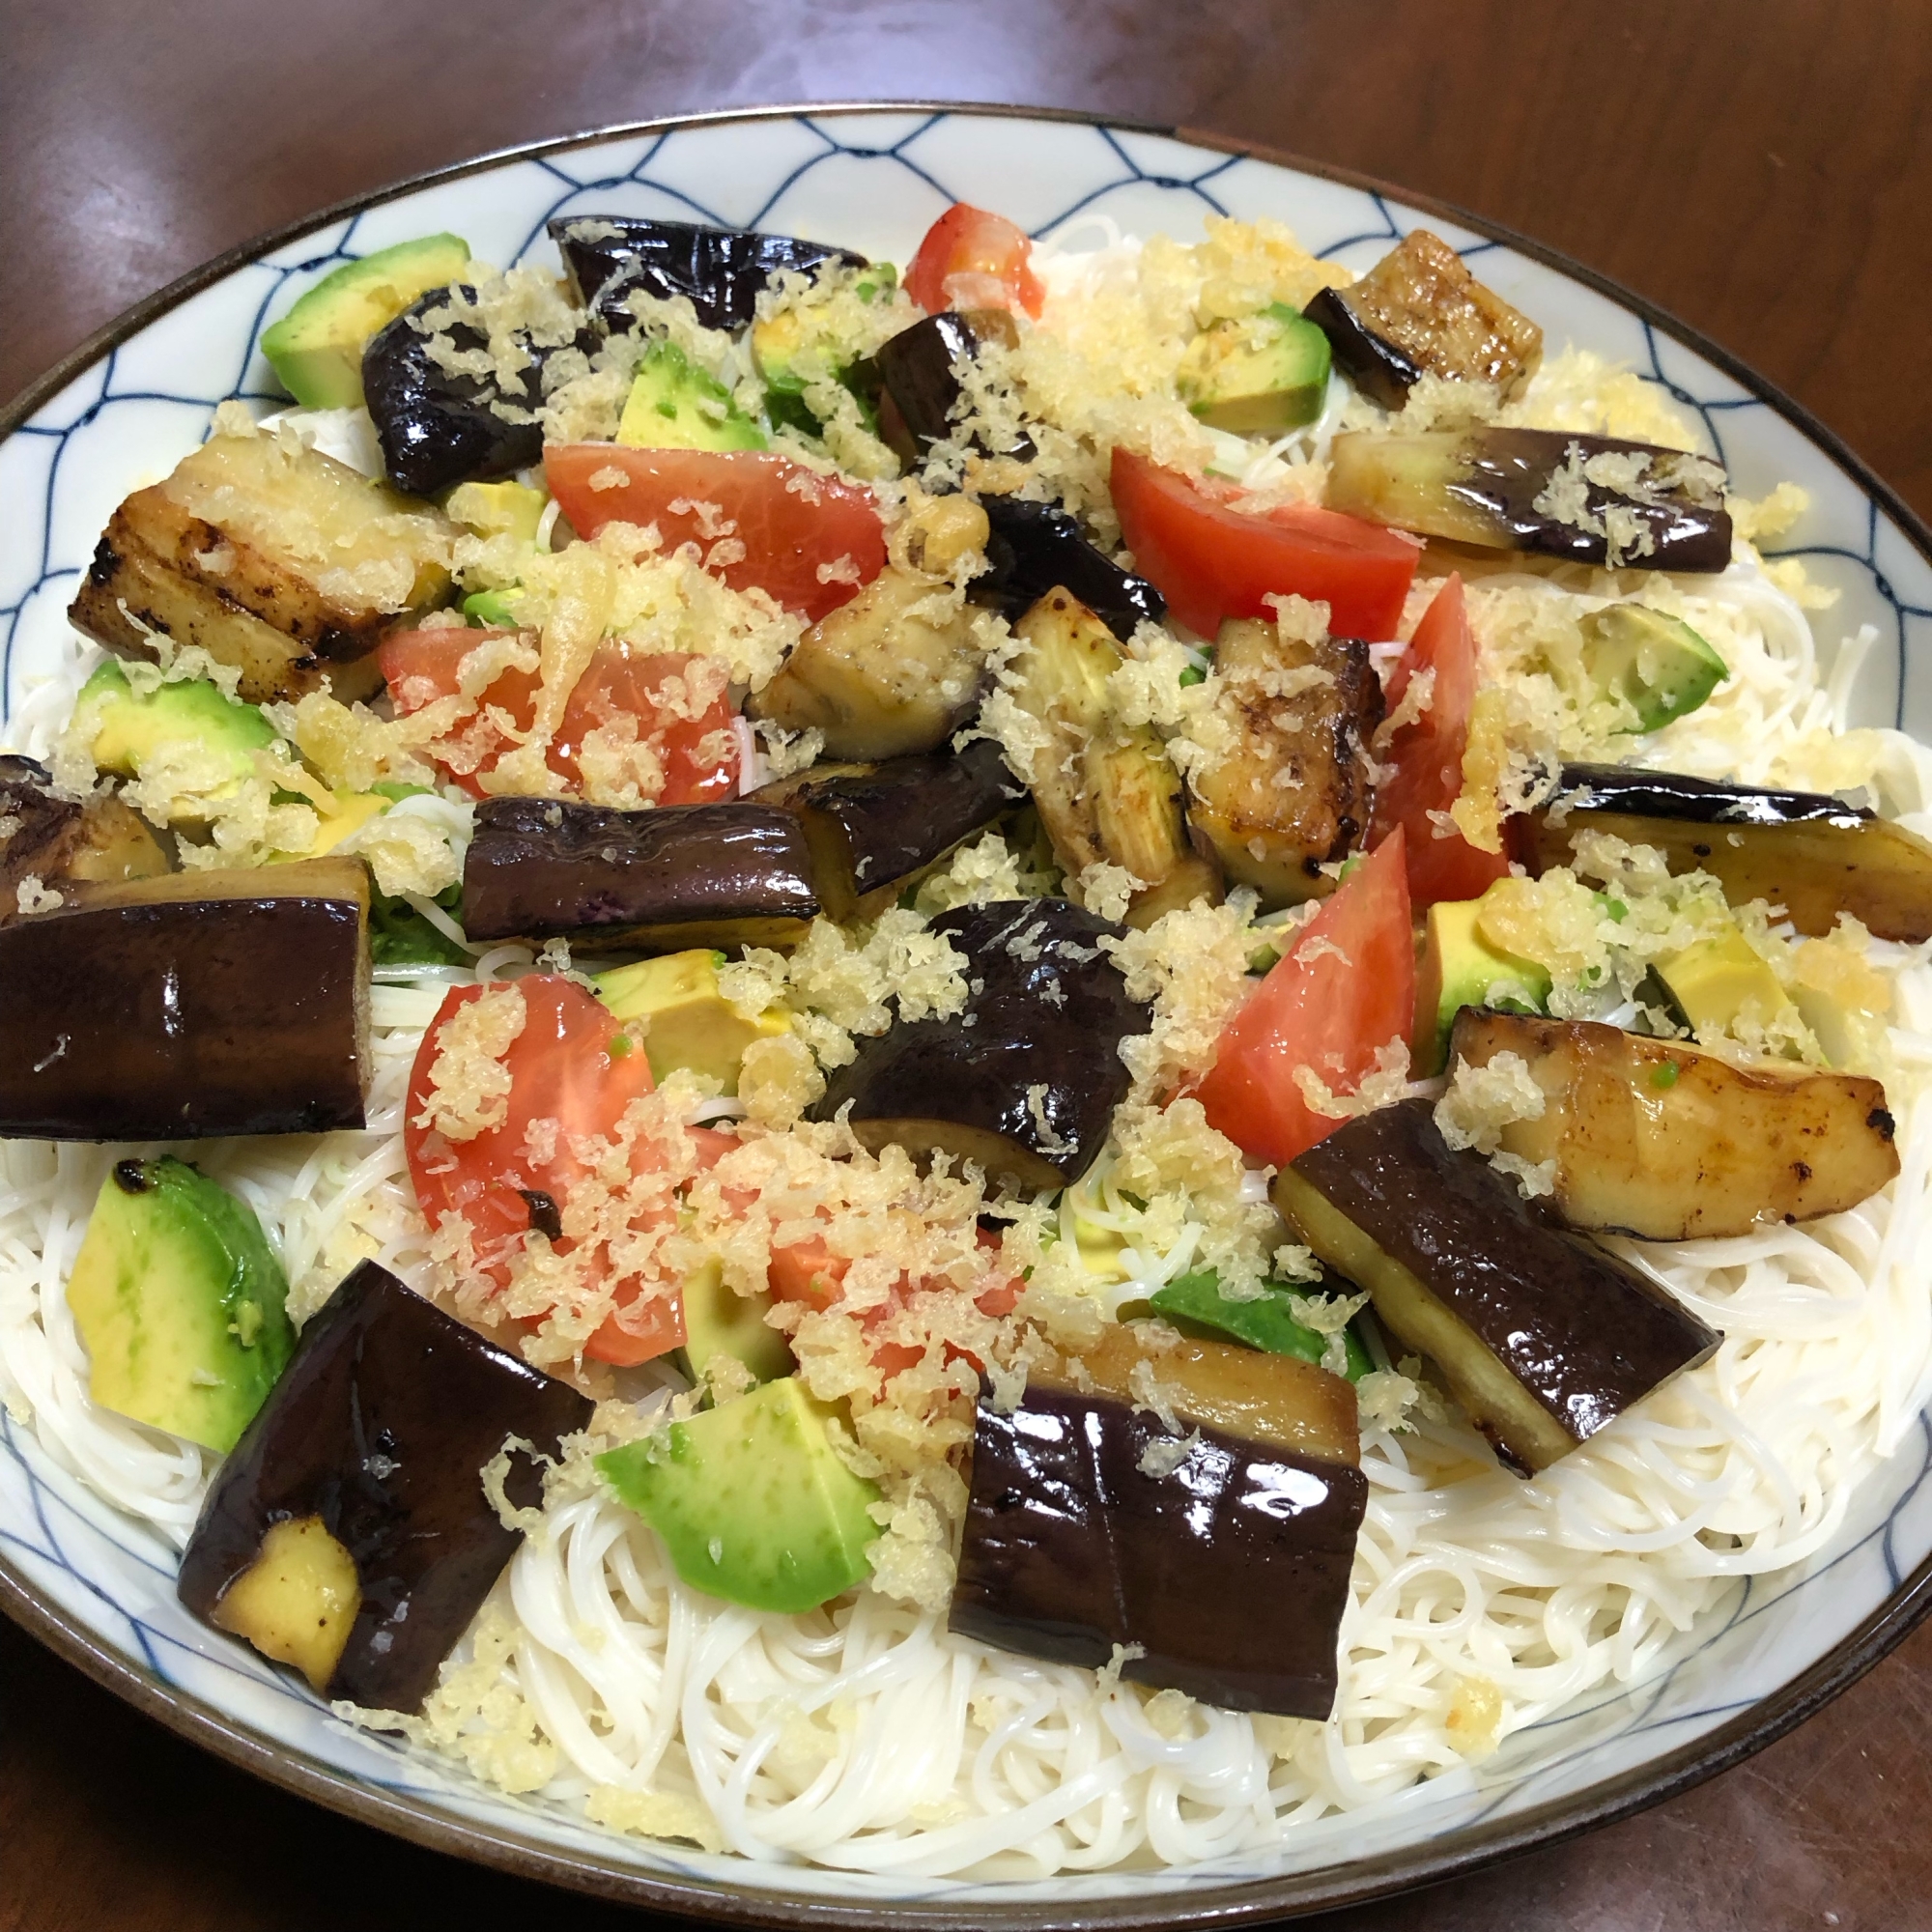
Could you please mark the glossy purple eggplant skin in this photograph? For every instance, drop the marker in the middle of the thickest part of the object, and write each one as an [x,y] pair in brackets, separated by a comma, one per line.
[381,1425]
[438,429]
[722,270]
[1231,1573]
[1026,1077]
[237,1014]
[872,826]
[1036,548]
[679,875]
[918,389]
[1675,795]
[1584,1333]
[1374,364]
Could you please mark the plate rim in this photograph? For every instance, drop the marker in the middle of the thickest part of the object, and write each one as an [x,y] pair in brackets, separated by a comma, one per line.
[1431,1862]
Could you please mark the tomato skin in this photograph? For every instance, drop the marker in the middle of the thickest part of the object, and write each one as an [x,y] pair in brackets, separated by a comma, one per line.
[1211,562]
[989,256]
[1428,758]
[421,666]
[560,1068]
[1318,1009]
[790,520]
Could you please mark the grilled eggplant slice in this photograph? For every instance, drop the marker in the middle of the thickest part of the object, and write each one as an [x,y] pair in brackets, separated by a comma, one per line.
[1107,792]
[187,1005]
[61,844]
[349,1532]
[882,675]
[1036,548]
[1088,1528]
[1584,498]
[658,881]
[1652,1138]
[439,428]
[1541,1335]
[722,270]
[1419,309]
[1292,792]
[919,390]
[875,829]
[1025,1080]
[273,559]
[1805,851]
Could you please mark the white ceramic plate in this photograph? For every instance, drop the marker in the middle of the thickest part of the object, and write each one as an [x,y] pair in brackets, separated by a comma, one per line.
[126,407]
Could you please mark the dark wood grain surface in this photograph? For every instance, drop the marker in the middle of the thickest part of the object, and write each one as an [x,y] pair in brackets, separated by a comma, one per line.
[1763,168]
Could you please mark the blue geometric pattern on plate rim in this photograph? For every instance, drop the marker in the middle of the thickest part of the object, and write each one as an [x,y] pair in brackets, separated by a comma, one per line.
[407,1796]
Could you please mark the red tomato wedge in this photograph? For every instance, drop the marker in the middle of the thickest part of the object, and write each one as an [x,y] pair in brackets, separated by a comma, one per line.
[631,696]
[807,540]
[1428,758]
[971,259]
[561,1068]
[1213,563]
[1327,1007]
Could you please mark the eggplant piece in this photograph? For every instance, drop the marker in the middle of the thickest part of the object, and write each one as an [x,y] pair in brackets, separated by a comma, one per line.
[1805,851]
[1419,309]
[722,270]
[367,1459]
[437,428]
[61,842]
[656,881]
[273,559]
[1107,793]
[875,829]
[1584,498]
[1221,1561]
[1036,548]
[919,390]
[1291,791]
[1541,1335]
[1025,1080]
[1655,1139]
[190,1004]
[879,677]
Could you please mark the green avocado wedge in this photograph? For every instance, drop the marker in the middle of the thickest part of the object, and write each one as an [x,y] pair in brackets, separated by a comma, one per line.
[752,1500]
[180,1303]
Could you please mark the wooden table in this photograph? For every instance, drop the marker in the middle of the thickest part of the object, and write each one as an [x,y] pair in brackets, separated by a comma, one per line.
[1760,167]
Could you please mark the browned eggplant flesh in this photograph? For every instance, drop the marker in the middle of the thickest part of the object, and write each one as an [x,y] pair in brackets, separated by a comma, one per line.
[1025,1079]
[1089,1527]
[1652,1138]
[189,1004]
[1543,1336]
[1808,855]
[56,843]
[1584,498]
[1291,791]
[1419,309]
[655,881]
[349,1531]
[875,829]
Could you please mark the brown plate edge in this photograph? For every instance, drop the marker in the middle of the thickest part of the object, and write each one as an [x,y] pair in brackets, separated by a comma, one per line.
[1247,1901]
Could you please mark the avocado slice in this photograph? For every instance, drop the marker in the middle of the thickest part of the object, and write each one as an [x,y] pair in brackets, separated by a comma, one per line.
[1195,1304]
[717,1322]
[1709,986]
[316,348]
[674,406]
[690,1022]
[187,727]
[1658,664]
[752,1500]
[180,1303]
[498,509]
[1458,967]
[1261,374]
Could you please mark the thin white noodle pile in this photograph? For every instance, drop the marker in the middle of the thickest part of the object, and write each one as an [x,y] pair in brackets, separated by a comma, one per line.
[864,1736]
